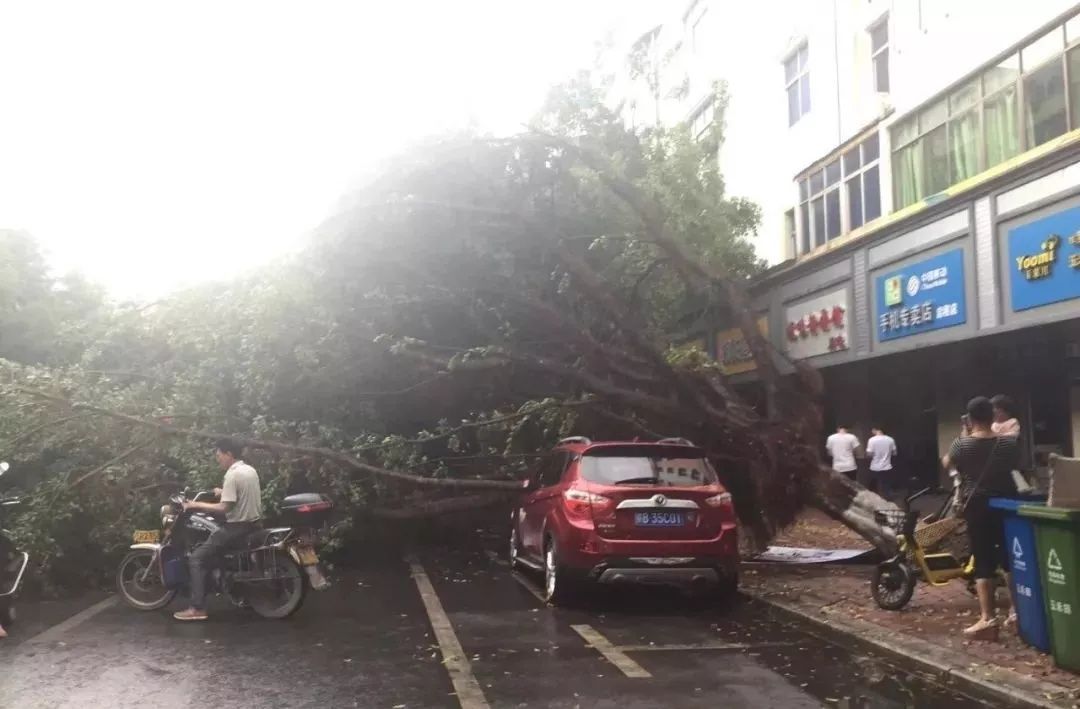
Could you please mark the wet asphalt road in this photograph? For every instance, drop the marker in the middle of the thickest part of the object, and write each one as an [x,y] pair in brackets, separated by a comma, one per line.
[369,642]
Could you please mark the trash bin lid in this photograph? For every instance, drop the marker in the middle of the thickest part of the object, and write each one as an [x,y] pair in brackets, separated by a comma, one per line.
[1056,514]
[1013,504]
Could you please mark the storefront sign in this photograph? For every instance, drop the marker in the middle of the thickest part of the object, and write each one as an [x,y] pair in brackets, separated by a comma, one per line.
[733,351]
[925,296]
[1044,260]
[818,326]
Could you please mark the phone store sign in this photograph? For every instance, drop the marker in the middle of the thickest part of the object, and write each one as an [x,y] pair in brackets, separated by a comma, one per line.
[921,297]
[1044,260]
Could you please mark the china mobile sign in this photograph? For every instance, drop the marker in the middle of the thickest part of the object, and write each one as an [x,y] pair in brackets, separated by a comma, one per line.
[818,326]
[924,296]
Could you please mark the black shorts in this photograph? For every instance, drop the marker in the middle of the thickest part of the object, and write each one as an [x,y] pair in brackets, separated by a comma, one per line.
[986,530]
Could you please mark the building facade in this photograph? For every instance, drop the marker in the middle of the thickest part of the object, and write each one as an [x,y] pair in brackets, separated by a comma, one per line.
[927,172]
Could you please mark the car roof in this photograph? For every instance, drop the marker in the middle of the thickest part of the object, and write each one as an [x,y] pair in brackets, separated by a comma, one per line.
[582,446]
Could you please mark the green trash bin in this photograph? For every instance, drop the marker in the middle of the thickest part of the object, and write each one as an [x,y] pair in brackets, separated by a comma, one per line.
[1057,534]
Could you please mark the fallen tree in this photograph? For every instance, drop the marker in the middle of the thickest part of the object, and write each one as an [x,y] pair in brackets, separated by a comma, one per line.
[476,301]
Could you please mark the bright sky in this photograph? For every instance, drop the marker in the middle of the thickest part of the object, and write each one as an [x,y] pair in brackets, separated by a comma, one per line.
[152,144]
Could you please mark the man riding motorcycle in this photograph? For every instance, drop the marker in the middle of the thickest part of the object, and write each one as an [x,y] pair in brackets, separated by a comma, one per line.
[241,502]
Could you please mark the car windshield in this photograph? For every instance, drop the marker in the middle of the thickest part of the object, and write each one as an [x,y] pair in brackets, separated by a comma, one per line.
[646,466]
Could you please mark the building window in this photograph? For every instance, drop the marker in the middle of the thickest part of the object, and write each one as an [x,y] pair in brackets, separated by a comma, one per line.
[862,182]
[789,233]
[797,76]
[879,54]
[702,118]
[819,195]
[1017,104]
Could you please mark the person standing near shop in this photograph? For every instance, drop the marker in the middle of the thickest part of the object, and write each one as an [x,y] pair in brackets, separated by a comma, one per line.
[841,447]
[881,449]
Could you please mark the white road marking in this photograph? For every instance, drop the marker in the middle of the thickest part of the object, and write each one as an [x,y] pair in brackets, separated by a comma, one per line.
[611,653]
[528,585]
[53,633]
[457,664]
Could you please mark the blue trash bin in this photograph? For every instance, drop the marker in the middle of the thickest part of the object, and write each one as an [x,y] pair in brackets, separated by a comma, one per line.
[1024,560]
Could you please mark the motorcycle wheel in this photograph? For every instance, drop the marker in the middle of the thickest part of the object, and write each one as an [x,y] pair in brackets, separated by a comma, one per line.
[893,585]
[144,594]
[283,594]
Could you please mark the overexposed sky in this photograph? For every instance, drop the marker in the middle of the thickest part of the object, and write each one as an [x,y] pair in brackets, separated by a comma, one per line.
[152,144]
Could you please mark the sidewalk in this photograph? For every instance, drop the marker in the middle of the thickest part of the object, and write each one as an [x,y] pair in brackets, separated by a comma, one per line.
[926,633]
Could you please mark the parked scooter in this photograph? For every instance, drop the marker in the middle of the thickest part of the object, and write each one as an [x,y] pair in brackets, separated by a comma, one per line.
[269,572]
[12,562]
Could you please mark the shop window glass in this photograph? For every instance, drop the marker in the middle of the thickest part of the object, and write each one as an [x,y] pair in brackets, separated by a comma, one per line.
[1044,103]
[1001,126]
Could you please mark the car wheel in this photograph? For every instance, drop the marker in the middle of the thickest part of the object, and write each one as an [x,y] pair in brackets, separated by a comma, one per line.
[514,551]
[558,585]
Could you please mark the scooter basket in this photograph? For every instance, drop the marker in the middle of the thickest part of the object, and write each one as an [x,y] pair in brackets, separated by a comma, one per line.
[935,535]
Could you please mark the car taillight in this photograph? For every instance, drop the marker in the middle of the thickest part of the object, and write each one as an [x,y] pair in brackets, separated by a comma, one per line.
[725,505]
[580,503]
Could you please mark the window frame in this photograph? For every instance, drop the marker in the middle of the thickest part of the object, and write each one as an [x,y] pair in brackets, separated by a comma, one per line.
[809,193]
[707,105]
[801,56]
[881,52]
[859,173]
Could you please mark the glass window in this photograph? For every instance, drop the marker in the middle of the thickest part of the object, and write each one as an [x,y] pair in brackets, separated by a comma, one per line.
[964,145]
[906,131]
[871,149]
[852,161]
[832,214]
[871,194]
[804,217]
[1043,49]
[964,97]
[1044,103]
[1001,126]
[855,206]
[816,181]
[832,172]
[1072,30]
[879,54]
[818,207]
[1004,74]
[789,231]
[937,161]
[797,81]
[1074,85]
[933,116]
[804,189]
[909,179]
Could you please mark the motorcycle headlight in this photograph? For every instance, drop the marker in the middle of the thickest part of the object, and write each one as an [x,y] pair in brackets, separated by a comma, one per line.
[167,520]
[165,510]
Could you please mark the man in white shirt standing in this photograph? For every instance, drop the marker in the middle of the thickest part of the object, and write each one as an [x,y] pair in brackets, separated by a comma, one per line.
[841,447]
[881,449]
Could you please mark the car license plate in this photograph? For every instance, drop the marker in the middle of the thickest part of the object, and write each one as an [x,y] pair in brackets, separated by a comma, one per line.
[659,519]
[307,555]
[145,536]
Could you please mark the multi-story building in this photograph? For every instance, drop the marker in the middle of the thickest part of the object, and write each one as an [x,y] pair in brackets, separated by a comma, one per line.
[922,191]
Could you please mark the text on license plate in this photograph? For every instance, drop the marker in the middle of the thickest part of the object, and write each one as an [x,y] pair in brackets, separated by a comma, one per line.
[145,536]
[307,555]
[659,519]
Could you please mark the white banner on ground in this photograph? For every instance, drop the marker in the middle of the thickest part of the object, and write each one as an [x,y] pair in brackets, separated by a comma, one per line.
[796,555]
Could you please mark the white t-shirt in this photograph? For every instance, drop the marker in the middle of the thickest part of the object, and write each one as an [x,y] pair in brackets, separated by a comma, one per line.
[841,446]
[881,449]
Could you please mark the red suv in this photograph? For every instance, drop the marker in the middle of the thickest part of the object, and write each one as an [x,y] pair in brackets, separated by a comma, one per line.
[618,512]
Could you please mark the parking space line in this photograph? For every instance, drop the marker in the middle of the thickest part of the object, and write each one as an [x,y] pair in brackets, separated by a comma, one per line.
[611,653]
[457,664]
[528,586]
[50,634]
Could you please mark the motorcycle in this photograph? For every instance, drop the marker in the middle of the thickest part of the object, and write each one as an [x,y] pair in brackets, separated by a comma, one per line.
[269,572]
[13,562]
